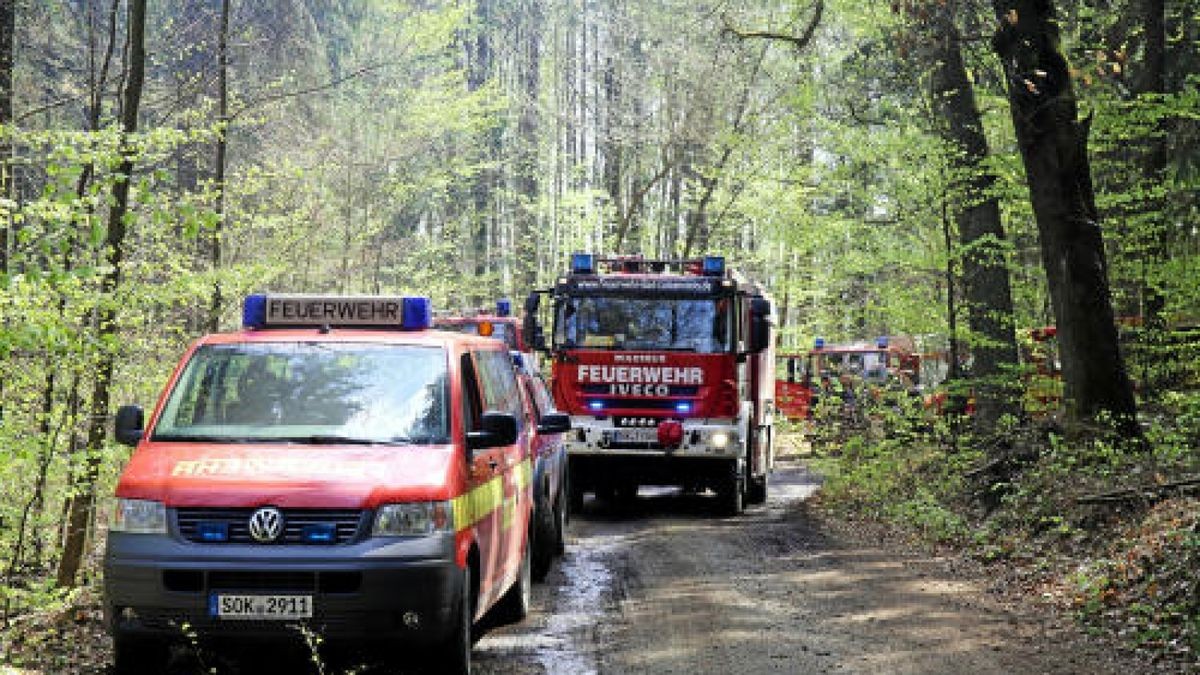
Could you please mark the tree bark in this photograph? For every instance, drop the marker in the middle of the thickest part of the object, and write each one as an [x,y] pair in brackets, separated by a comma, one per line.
[1053,144]
[8,26]
[985,276]
[214,313]
[80,515]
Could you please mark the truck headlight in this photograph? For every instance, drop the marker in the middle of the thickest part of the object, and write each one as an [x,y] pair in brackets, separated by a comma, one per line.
[720,439]
[413,518]
[139,516]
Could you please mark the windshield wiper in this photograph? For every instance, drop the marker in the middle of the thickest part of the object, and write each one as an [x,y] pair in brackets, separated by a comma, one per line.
[335,439]
[203,438]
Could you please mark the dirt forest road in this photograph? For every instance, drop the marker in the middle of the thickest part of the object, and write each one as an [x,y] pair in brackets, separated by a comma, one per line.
[666,587]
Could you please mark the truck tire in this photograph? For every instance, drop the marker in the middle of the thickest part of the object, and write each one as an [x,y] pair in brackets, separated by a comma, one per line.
[730,497]
[756,491]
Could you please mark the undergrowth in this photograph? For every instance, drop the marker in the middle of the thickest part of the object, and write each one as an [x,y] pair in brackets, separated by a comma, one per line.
[1095,518]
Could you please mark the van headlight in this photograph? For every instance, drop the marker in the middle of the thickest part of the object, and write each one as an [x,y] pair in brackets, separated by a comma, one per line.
[413,518]
[139,516]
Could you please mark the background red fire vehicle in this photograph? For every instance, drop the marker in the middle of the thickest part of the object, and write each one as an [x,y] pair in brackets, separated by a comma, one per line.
[666,368]
[850,368]
[500,324]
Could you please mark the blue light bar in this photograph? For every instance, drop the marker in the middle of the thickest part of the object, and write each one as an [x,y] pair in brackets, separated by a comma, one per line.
[819,343]
[418,313]
[881,342]
[714,266]
[583,263]
[683,408]
[595,405]
[212,532]
[504,307]
[319,533]
[254,311]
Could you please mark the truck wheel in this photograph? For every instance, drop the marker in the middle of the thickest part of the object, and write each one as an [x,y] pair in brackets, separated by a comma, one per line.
[544,540]
[730,497]
[134,655]
[514,606]
[453,655]
[756,493]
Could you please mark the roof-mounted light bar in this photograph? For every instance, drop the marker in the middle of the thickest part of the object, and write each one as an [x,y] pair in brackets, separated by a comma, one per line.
[714,266]
[583,263]
[504,307]
[277,311]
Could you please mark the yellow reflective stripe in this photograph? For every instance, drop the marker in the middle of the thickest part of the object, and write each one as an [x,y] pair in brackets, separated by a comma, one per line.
[477,504]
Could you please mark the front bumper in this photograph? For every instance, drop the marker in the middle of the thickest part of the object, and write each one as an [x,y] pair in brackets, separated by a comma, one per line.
[158,585]
[601,457]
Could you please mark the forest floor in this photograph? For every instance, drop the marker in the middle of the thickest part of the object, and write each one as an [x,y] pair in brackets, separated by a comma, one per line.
[662,586]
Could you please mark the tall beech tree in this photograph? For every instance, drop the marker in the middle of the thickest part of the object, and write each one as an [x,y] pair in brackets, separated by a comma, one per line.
[986,283]
[1053,144]
[83,501]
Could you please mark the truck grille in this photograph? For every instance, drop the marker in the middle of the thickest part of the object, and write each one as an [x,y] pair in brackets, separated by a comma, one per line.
[346,523]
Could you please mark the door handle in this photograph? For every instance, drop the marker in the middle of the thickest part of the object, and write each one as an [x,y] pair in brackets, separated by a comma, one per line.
[494,464]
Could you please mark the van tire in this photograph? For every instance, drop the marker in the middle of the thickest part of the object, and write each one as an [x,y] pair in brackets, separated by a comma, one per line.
[453,655]
[544,540]
[139,656]
[560,521]
[514,606]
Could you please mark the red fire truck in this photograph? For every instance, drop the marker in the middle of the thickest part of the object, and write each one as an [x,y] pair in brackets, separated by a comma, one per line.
[667,370]
[888,362]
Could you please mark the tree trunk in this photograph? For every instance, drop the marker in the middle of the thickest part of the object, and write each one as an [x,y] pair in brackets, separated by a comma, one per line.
[1053,143]
[980,232]
[79,517]
[8,26]
[528,128]
[214,313]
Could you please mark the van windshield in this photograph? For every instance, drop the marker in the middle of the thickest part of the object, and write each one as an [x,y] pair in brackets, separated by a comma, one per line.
[310,393]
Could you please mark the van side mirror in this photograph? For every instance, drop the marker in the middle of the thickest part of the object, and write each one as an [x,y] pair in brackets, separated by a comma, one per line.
[760,324]
[497,429]
[130,421]
[554,423]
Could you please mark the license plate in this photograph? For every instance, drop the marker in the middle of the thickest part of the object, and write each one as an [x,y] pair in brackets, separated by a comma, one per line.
[278,607]
[633,435]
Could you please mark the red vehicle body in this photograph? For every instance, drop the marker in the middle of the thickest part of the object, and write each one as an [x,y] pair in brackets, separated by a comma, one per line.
[666,368]
[802,377]
[500,325]
[372,483]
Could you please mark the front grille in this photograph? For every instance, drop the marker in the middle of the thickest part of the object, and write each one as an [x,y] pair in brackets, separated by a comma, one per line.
[196,581]
[610,404]
[346,523]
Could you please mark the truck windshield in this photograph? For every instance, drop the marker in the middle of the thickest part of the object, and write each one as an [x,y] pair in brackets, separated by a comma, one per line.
[310,393]
[653,324]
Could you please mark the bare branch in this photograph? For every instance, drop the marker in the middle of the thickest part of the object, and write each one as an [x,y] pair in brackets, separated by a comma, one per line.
[798,41]
[309,90]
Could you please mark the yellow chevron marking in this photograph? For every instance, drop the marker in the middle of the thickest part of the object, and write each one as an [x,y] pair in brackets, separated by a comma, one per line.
[475,505]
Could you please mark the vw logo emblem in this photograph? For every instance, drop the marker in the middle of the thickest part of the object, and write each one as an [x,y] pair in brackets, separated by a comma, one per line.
[266,524]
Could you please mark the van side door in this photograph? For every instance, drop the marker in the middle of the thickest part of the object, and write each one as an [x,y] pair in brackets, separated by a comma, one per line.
[485,486]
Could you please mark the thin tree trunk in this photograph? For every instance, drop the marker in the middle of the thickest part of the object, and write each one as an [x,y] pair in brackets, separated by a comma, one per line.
[80,516]
[986,286]
[1053,143]
[8,26]
[214,314]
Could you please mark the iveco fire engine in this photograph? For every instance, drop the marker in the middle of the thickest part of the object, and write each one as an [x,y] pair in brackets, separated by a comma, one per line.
[666,368]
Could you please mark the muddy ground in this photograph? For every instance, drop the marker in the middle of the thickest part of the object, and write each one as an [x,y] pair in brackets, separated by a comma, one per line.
[666,587]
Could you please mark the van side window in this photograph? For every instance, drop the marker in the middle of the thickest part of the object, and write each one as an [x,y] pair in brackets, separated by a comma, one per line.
[472,407]
[499,380]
